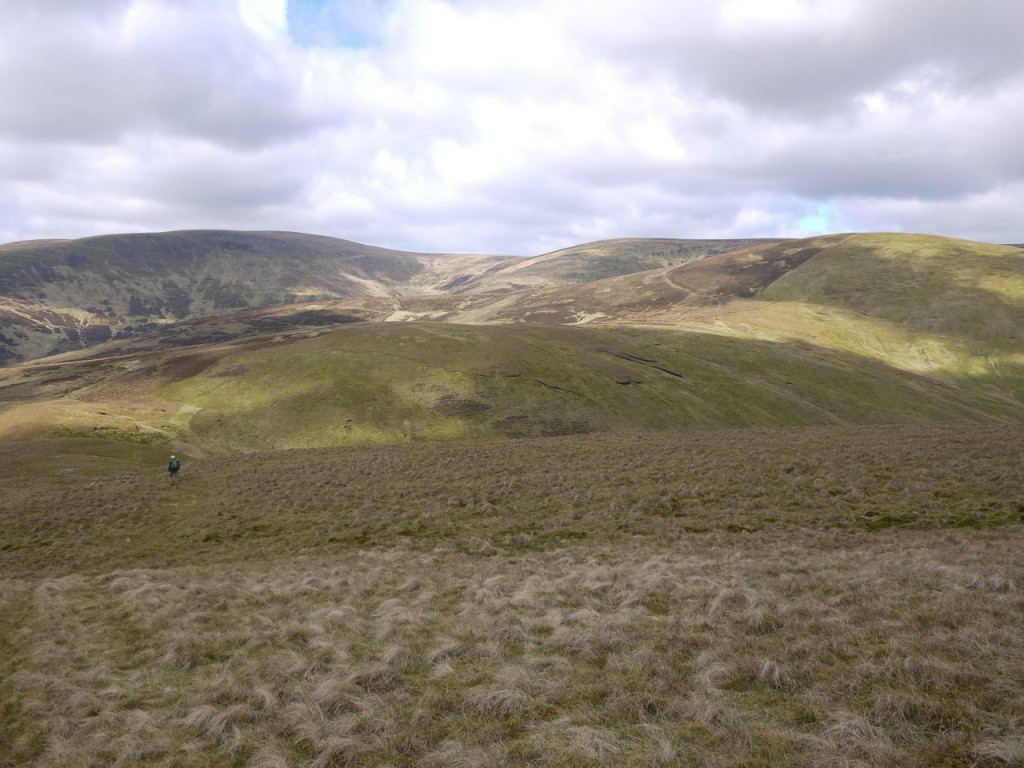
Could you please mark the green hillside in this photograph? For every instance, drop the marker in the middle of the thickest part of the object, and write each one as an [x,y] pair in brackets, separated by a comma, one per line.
[844,329]
[607,258]
[63,295]
[968,292]
[385,383]
[757,508]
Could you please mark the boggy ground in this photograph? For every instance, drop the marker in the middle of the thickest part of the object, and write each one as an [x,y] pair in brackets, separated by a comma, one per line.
[776,597]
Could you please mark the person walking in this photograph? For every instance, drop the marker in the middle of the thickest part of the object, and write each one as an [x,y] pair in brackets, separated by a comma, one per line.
[172,469]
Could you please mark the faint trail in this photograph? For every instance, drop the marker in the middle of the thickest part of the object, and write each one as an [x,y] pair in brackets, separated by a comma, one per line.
[666,275]
[667,278]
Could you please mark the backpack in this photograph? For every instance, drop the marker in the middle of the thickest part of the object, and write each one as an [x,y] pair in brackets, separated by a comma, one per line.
[174,466]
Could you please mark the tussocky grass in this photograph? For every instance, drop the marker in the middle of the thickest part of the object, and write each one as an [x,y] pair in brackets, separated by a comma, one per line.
[761,597]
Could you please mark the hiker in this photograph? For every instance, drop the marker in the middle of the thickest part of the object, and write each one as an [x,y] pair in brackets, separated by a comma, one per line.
[172,469]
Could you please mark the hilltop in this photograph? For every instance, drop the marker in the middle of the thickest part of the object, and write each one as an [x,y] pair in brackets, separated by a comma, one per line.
[57,296]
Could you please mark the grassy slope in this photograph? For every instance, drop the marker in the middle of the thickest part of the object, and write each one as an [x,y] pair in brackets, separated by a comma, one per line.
[841,595]
[605,258]
[928,305]
[59,295]
[398,382]
[772,597]
[842,329]
[970,293]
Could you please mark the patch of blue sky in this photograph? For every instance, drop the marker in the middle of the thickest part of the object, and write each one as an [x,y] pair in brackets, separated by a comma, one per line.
[335,23]
[818,220]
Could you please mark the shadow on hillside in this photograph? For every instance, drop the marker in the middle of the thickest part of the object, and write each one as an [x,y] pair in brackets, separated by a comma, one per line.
[913,294]
[596,380]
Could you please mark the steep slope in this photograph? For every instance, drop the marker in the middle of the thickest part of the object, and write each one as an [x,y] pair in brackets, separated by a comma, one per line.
[604,258]
[968,291]
[60,295]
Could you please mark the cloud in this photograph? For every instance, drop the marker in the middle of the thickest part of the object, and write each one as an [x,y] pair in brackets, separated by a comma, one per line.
[479,125]
[267,18]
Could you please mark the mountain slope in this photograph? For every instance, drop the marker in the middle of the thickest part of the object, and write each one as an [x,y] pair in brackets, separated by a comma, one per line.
[604,258]
[63,295]
[843,329]
[375,383]
[919,302]
[59,295]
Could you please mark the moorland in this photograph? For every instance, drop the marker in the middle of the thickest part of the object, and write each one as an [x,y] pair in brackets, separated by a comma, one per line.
[638,502]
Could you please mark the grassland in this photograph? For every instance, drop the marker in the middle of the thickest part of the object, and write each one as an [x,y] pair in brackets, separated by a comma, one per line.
[826,596]
[396,382]
[758,509]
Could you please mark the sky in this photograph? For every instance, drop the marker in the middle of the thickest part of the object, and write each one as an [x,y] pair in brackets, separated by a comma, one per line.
[512,126]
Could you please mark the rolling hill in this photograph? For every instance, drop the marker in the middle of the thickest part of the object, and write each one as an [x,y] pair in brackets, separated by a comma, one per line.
[758,507]
[844,329]
[57,296]
[60,295]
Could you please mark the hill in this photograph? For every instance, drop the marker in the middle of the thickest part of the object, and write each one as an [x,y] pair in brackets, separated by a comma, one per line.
[58,296]
[61,295]
[845,329]
[604,258]
[374,383]
[761,507]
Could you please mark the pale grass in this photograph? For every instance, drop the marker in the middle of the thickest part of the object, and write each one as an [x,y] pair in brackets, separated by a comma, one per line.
[1000,752]
[865,649]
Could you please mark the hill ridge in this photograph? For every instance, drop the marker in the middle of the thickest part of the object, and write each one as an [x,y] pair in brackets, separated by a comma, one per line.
[59,295]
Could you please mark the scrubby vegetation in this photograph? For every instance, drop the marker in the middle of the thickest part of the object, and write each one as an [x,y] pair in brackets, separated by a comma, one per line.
[762,508]
[814,596]
[392,382]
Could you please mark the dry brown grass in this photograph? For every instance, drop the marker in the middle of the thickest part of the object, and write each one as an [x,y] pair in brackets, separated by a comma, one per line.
[880,651]
[472,628]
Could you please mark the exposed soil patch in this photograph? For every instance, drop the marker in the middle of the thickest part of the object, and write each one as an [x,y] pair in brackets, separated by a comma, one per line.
[187,366]
[739,275]
[450,405]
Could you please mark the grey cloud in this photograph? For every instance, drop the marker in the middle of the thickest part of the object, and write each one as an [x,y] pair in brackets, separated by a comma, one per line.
[76,78]
[816,70]
[905,116]
[984,216]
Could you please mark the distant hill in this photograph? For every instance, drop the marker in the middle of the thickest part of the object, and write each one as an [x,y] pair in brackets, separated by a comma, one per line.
[838,329]
[61,295]
[604,258]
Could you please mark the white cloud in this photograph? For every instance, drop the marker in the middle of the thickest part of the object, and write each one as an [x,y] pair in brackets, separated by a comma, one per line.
[267,18]
[511,127]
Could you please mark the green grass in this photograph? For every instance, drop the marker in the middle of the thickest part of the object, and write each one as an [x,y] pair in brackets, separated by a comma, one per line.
[396,382]
[390,383]
[970,293]
[868,329]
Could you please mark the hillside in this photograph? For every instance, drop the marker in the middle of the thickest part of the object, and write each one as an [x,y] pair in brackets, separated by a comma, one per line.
[394,382]
[761,507]
[605,258]
[57,296]
[62,295]
[844,329]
